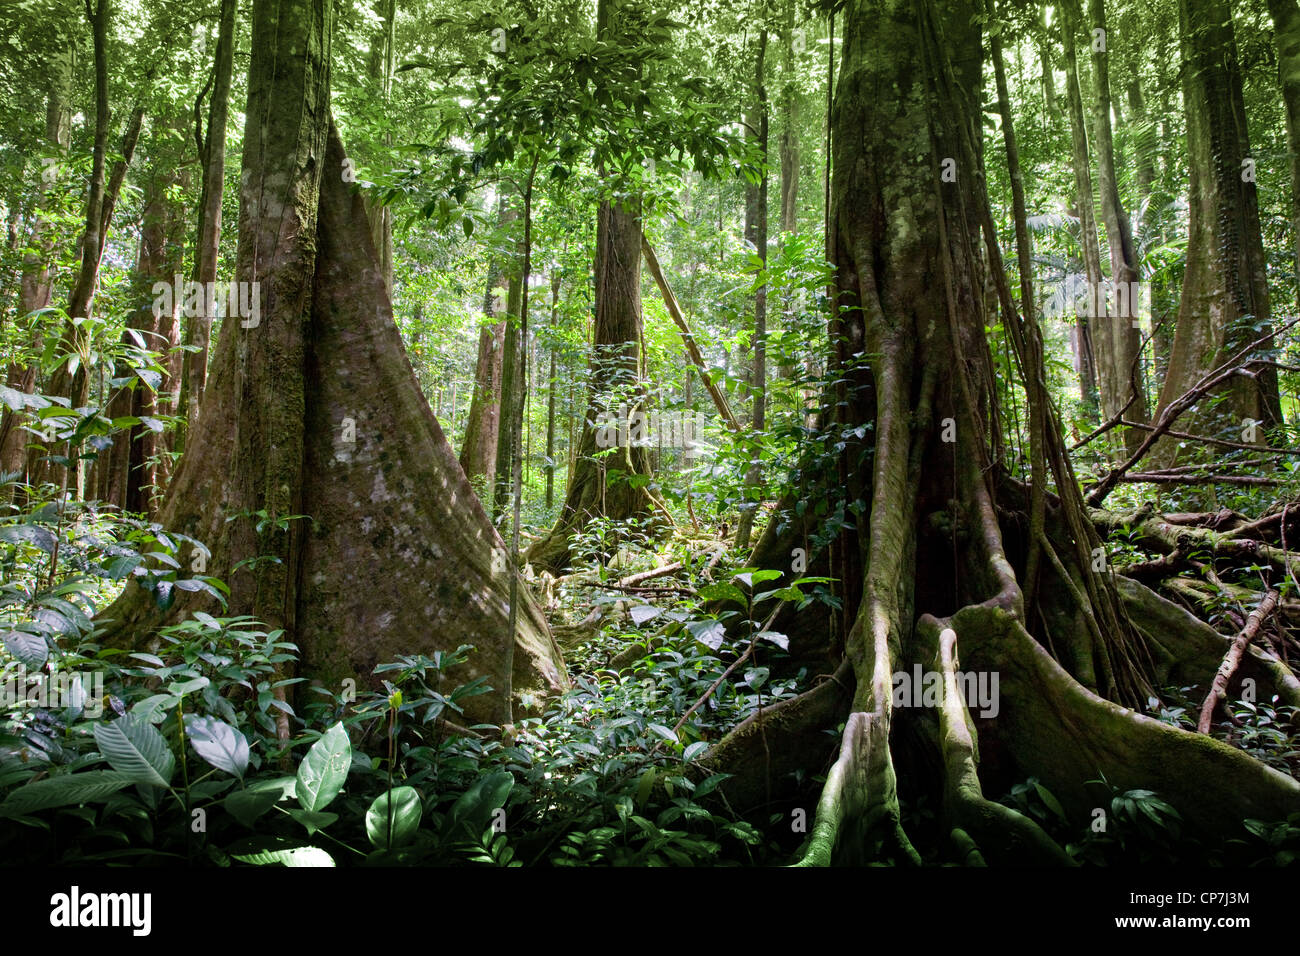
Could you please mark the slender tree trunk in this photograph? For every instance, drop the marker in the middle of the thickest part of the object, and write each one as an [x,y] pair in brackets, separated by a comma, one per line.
[382,54]
[478,454]
[550,392]
[512,387]
[1117,341]
[207,252]
[756,235]
[1084,340]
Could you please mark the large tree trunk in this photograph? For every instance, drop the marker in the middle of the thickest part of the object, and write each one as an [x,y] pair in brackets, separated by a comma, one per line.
[1286,36]
[207,252]
[1225,301]
[941,544]
[1116,337]
[318,477]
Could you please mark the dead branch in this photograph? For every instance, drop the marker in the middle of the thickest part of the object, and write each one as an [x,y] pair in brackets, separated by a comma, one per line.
[1219,689]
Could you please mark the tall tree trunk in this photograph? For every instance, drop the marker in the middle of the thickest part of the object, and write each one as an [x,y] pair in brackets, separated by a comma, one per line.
[616,382]
[1225,301]
[1085,343]
[71,380]
[909,291]
[756,235]
[550,391]
[1147,143]
[314,410]
[134,473]
[478,453]
[1286,36]
[207,252]
[35,282]
[1117,341]
[512,389]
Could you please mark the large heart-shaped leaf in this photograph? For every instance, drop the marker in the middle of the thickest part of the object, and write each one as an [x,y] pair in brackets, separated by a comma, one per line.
[219,744]
[394,818]
[135,747]
[325,769]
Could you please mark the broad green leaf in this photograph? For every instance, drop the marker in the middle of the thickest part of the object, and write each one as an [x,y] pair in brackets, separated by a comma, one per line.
[30,650]
[86,787]
[324,770]
[219,744]
[470,815]
[313,821]
[299,856]
[135,747]
[403,805]
[722,592]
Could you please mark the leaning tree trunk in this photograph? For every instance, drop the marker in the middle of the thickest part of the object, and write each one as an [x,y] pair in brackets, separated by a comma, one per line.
[1225,300]
[318,478]
[756,235]
[943,536]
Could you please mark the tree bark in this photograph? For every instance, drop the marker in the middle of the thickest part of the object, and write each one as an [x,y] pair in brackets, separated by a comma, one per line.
[1225,300]
[351,526]
[1085,341]
[35,283]
[478,454]
[1117,340]
[207,251]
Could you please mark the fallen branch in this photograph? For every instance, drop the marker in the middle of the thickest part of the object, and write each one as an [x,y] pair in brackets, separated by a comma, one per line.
[1175,409]
[692,350]
[1219,689]
[1161,478]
